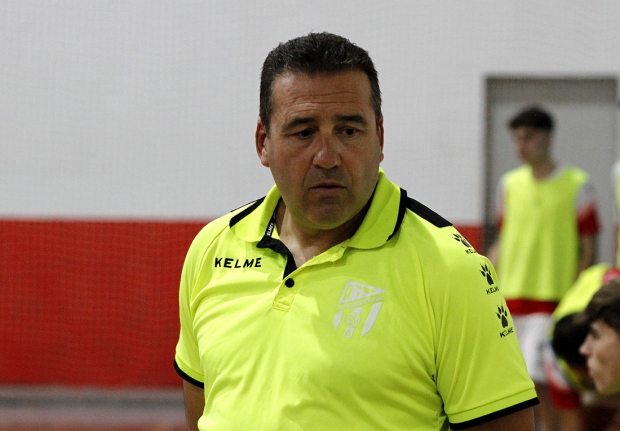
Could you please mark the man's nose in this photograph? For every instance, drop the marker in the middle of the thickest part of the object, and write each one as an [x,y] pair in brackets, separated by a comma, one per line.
[327,154]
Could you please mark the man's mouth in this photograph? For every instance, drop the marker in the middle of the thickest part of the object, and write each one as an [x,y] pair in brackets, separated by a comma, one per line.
[327,188]
[328,185]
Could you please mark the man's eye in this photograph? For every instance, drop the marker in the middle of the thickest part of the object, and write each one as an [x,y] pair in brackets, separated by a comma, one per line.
[349,131]
[305,133]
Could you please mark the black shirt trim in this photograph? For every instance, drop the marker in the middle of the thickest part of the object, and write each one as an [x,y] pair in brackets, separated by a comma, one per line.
[268,241]
[419,209]
[186,377]
[495,415]
[278,246]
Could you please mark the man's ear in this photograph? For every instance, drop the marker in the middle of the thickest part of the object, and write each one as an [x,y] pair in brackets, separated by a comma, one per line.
[261,143]
[380,135]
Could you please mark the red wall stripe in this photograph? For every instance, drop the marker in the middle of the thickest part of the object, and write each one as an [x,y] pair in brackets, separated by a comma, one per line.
[90,302]
[95,302]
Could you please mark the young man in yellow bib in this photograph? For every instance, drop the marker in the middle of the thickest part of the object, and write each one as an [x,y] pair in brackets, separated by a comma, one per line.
[547,221]
[336,302]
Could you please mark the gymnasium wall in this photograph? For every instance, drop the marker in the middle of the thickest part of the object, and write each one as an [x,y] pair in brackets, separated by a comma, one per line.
[127,125]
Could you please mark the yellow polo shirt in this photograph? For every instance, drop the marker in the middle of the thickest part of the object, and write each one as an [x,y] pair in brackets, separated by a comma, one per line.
[400,327]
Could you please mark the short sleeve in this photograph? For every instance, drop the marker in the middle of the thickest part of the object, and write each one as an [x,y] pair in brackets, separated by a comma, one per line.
[481,374]
[587,212]
[187,357]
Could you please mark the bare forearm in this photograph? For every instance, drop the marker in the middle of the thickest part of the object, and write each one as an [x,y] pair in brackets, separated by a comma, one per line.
[194,404]
[493,253]
[587,251]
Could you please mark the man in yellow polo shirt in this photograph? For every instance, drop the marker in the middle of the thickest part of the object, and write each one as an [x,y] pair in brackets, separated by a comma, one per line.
[337,302]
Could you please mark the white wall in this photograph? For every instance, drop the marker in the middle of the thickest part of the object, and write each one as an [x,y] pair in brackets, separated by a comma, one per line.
[147,108]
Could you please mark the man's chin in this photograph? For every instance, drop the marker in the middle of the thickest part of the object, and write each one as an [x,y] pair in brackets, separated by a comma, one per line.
[331,218]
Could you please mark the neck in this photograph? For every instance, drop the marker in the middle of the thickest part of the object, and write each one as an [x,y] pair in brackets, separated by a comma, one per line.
[543,168]
[306,242]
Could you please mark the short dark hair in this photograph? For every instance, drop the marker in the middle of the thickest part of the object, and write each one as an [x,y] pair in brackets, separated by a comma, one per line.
[534,117]
[568,335]
[314,54]
[605,306]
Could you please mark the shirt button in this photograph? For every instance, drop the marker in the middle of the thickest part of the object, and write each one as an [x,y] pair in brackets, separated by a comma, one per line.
[289,282]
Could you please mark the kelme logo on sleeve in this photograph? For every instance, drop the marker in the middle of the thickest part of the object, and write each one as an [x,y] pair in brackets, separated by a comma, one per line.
[359,303]
[460,238]
[486,273]
[502,315]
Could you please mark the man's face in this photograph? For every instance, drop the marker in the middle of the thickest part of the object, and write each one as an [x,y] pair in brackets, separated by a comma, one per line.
[324,146]
[602,350]
[531,145]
